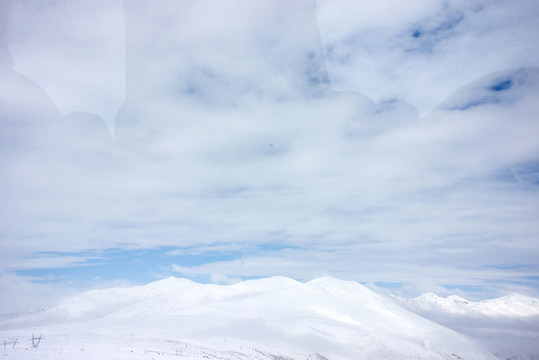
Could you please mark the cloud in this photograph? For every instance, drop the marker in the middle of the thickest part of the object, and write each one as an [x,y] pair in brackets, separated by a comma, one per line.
[500,88]
[74,51]
[377,263]
[231,142]
[400,50]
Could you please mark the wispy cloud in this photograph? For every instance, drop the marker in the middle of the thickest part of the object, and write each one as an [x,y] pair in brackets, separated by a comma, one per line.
[419,51]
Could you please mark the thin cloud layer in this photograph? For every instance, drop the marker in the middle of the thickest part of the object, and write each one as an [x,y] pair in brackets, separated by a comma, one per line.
[238,146]
[422,51]
[75,51]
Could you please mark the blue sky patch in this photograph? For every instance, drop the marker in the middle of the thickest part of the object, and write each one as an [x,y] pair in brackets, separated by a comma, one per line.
[502,85]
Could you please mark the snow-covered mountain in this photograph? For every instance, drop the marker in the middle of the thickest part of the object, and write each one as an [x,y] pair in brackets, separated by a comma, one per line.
[508,326]
[513,305]
[273,318]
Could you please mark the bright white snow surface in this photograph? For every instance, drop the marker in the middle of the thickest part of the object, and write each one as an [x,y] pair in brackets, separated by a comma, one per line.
[275,318]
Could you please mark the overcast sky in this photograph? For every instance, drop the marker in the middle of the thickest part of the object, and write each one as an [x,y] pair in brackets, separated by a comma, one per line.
[387,142]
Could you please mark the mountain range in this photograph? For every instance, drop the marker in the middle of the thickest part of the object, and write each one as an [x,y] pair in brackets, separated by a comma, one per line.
[273,318]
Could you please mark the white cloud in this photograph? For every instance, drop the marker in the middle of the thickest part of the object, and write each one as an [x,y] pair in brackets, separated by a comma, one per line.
[258,151]
[74,50]
[422,51]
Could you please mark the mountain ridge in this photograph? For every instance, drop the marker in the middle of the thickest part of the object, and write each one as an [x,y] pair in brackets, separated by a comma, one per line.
[511,305]
[333,318]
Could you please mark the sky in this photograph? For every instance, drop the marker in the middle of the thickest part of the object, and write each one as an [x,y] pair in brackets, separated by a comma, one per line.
[393,143]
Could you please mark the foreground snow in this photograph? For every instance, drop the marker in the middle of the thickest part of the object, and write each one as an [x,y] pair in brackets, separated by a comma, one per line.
[275,318]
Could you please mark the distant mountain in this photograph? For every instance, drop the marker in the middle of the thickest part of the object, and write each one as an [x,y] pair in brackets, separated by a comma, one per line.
[273,318]
[513,305]
[508,326]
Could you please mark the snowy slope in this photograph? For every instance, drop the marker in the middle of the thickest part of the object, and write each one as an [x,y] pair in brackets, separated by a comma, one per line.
[274,318]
